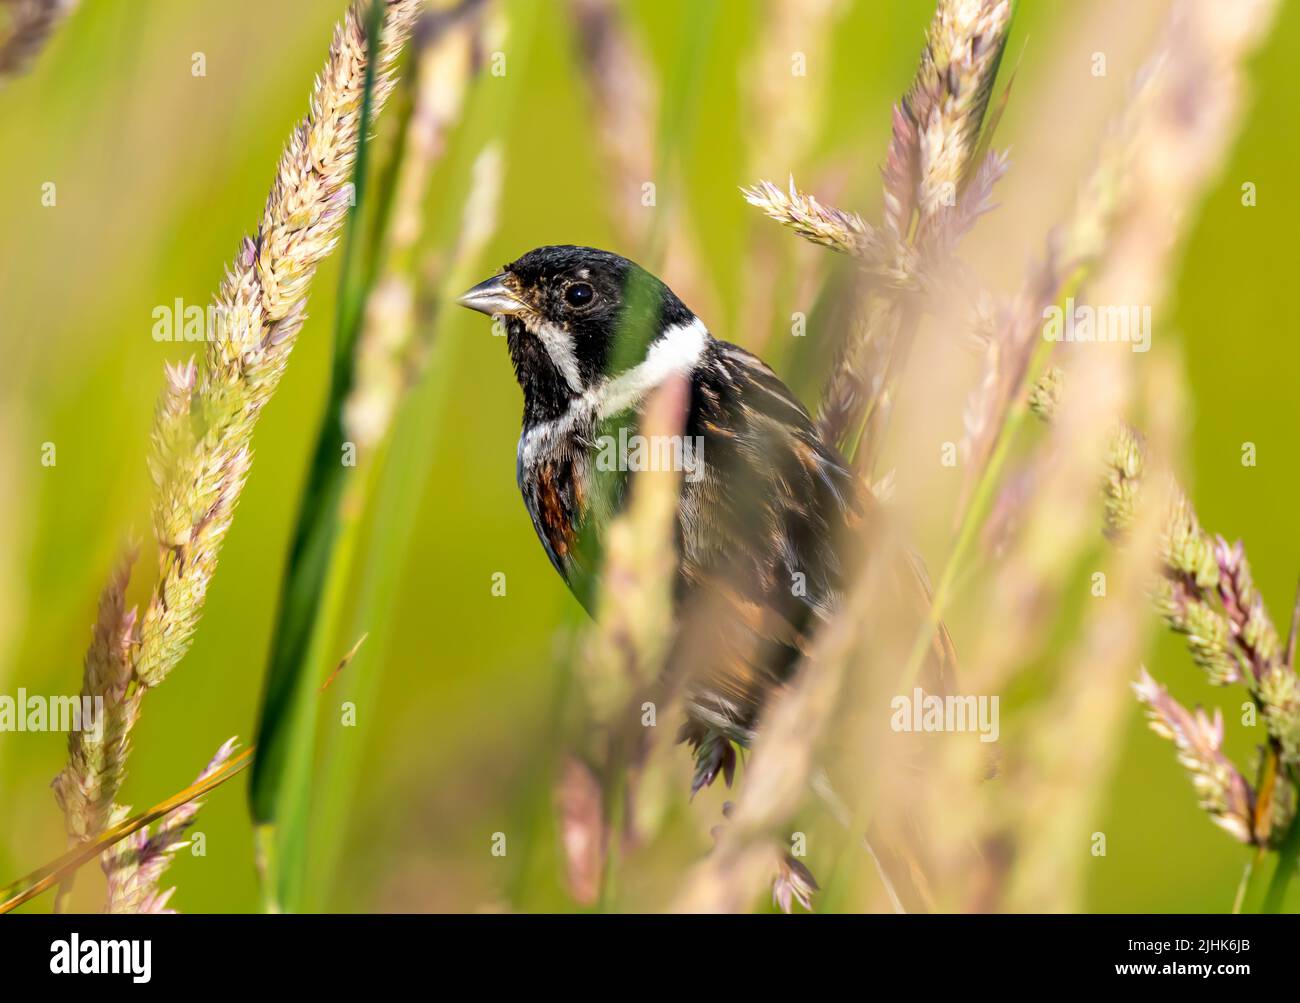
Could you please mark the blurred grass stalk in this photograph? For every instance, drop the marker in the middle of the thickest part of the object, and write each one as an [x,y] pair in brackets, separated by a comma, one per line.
[1205,45]
[1160,156]
[15,532]
[622,663]
[784,115]
[1156,164]
[937,133]
[607,762]
[642,133]
[607,791]
[1155,167]
[402,476]
[1204,590]
[203,429]
[600,764]
[782,769]
[377,358]
[25,28]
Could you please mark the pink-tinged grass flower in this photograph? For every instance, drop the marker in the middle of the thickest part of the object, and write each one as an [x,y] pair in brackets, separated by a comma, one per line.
[1220,788]
[135,865]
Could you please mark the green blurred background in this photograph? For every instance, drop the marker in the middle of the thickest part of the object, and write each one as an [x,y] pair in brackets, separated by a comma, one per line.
[159,174]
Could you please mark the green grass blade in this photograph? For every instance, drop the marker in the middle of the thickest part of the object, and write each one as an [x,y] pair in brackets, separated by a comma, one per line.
[286,725]
[401,477]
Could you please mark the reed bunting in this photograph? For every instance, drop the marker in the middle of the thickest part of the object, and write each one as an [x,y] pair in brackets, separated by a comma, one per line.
[760,518]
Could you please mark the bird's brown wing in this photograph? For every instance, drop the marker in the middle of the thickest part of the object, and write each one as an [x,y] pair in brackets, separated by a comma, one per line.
[769,536]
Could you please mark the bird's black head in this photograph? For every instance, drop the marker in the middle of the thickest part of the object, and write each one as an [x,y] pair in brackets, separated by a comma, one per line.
[575,317]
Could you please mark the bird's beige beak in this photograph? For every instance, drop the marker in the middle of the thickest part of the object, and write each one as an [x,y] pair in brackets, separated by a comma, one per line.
[492,296]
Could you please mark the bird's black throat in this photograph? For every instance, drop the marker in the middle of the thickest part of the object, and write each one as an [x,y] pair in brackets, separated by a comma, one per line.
[546,392]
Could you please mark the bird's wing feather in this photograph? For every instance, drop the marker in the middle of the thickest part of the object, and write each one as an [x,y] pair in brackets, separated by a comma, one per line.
[768,536]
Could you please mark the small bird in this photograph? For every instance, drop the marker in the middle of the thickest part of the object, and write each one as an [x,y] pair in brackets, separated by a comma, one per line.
[591,336]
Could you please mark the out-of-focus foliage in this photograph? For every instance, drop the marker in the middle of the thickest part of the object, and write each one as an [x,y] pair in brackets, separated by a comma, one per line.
[159,172]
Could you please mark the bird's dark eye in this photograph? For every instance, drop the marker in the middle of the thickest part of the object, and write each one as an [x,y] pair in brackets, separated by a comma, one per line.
[579,294]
